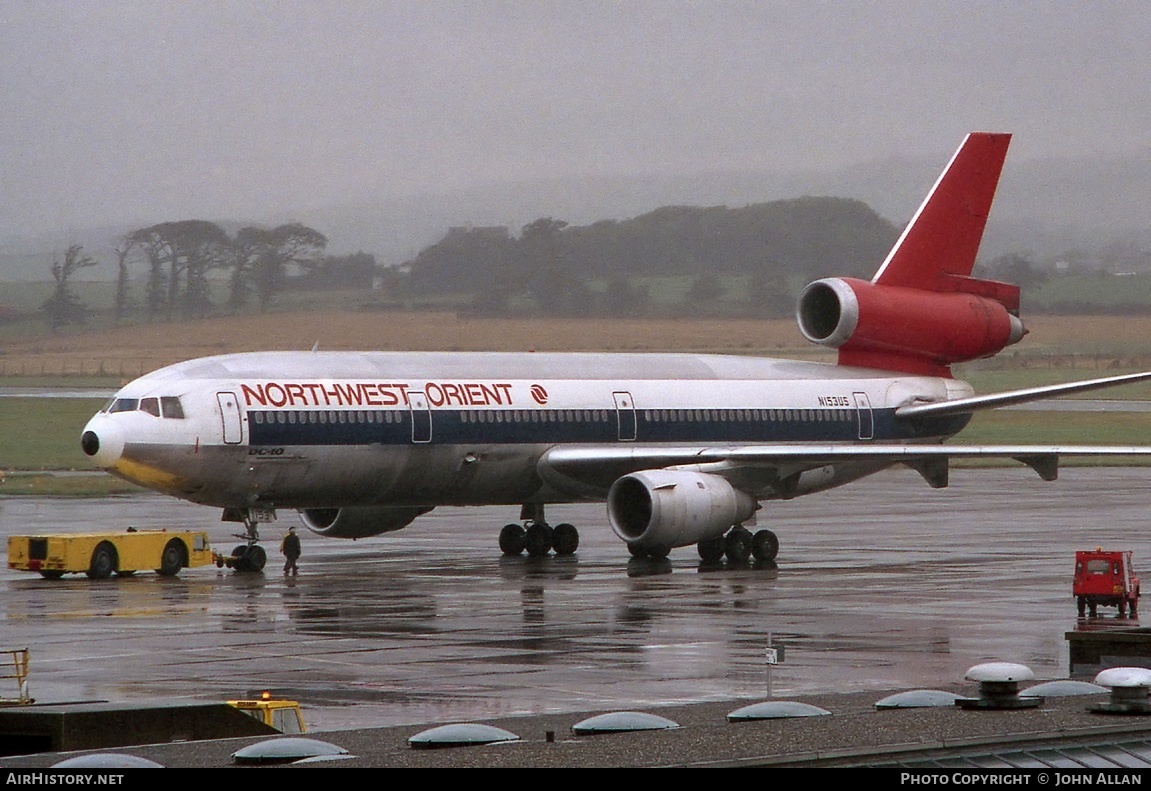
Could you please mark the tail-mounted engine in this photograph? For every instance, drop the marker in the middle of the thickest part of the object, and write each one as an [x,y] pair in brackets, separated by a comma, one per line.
[909,329]
[674,508]
[361,521]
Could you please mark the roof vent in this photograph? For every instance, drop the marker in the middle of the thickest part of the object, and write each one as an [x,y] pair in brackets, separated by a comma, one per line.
[1063,688]
[1129,689]
[999,687]
[622,722]
[460,734]
[285,750]
[776,710]
[918,699]
[107,761]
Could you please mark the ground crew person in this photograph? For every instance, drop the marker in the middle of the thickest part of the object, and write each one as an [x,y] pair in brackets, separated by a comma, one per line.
[290,547]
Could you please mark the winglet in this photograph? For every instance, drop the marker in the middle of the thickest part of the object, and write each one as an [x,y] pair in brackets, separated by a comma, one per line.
[937,249]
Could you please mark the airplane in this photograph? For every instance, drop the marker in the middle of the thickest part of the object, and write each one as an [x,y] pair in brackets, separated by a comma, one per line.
[683,448]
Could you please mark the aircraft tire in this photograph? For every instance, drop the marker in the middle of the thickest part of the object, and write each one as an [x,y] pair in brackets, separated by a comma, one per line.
[636,551]
[764,545]
[737,545]
[538,540]
[659,551]
[711,550]
[257,558]
[103,561]
[565,539]
[512,540]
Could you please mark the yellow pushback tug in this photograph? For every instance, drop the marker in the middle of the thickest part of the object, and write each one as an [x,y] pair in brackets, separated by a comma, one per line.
[100,555]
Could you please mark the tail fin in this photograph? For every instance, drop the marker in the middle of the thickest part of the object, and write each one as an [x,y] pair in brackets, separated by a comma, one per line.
[937,249]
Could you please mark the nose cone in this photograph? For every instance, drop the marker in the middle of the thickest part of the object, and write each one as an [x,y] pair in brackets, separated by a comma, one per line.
[103,441]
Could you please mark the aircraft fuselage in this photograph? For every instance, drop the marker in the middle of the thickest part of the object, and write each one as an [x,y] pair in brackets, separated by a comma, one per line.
[325,429]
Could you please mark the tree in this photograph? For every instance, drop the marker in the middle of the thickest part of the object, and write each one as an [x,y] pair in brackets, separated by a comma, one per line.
[123,300]
[64,307]
[189,249]
[267,253]
[1016,269]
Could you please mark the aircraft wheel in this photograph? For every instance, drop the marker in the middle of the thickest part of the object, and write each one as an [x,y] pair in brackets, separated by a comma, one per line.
[172,560]
[636,551]
[565,539]
[737,545]
[538,540]
[659,551]
[764,545]
[512,539]
[711,551]
[103,561]
[257,558]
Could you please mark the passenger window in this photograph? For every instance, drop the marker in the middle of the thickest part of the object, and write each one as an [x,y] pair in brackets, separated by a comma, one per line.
[171,407]
[151,406]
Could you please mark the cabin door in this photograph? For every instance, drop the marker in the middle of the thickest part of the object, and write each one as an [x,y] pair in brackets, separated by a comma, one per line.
[421,416]
[625,415]
[866,419]
[233,424]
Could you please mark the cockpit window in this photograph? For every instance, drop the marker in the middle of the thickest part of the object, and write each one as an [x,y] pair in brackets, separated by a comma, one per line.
[151,406]
[124,405]
[172,407]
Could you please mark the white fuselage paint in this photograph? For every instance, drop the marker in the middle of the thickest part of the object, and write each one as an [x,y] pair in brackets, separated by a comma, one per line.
[326,429]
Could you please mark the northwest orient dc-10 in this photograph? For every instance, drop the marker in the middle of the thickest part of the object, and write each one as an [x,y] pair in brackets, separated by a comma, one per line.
[684,448]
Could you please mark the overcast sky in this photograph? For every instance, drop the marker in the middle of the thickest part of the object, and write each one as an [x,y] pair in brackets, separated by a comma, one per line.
[138,112]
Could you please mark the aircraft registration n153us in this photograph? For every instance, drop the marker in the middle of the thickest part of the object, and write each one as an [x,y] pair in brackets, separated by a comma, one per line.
[684,448]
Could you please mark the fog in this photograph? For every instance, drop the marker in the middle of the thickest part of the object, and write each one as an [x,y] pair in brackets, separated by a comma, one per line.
[126,113]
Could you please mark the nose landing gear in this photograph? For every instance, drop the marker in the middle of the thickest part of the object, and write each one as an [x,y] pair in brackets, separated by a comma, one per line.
[249,556]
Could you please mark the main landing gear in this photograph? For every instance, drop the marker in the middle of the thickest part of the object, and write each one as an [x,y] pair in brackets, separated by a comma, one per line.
[537,536]
[739,546]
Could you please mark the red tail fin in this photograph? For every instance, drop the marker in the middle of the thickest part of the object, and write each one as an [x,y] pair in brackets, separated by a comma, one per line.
[937,249]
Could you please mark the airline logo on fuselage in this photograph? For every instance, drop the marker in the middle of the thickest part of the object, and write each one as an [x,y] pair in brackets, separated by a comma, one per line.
[296,395]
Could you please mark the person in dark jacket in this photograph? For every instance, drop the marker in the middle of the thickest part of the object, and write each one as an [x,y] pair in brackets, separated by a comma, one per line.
[290,547]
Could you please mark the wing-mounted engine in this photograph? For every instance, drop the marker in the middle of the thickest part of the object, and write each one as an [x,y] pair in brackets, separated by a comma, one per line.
[360,521]
[675,508]
[908,329]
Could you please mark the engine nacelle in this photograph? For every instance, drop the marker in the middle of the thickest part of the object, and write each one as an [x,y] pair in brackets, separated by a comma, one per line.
[360,521]
[904,329]
[674,508]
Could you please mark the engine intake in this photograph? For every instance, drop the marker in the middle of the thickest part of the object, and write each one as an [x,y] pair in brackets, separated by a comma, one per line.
[360,521]
[904,329]
[674,508]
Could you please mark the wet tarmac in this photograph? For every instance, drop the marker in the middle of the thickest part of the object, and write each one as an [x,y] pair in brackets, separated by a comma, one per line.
[882,585]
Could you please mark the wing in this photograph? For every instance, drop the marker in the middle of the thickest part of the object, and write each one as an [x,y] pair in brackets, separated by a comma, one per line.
[772,471]
[961,406]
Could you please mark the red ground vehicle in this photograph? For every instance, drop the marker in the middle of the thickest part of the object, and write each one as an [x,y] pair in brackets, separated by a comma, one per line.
[1105,578]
